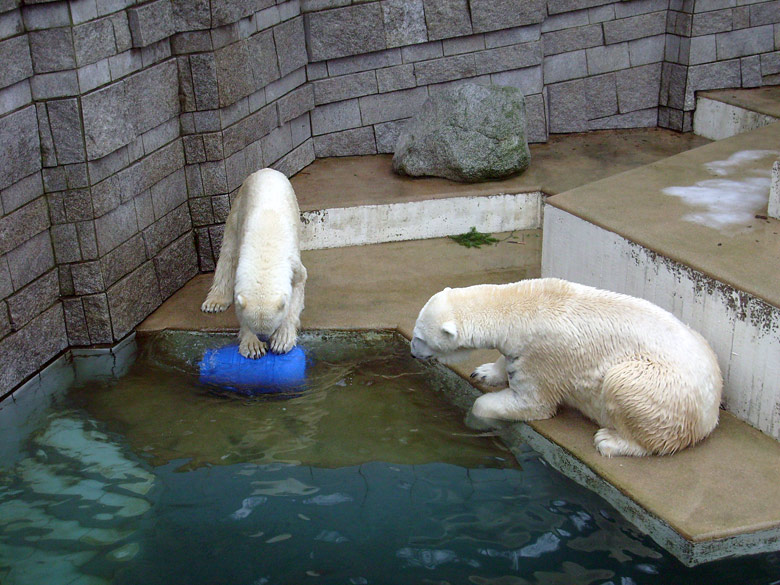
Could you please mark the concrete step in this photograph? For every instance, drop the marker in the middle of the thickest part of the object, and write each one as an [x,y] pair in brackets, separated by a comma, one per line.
[727,112]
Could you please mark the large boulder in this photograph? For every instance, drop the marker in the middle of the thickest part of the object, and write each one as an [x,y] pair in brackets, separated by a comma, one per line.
[468,133]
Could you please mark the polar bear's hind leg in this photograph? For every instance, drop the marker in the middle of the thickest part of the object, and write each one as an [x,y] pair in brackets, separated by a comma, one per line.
[493,374]
[610,444]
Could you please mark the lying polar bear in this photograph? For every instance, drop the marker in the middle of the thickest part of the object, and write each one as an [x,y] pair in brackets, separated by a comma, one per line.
[260,266]
[649,381]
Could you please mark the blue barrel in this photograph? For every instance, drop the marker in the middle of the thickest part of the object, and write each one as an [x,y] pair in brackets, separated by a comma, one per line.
[227,369]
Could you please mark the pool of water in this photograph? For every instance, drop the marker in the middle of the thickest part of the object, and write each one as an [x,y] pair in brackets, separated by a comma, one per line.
[366,476]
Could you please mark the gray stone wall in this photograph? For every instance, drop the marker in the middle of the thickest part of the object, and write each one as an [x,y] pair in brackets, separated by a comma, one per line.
[127,125]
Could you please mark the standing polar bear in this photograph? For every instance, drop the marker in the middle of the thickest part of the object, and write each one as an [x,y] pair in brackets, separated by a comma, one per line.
[260,267]
[649,381]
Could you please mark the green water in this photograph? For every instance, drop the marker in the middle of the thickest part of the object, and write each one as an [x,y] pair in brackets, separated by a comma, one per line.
[368,476]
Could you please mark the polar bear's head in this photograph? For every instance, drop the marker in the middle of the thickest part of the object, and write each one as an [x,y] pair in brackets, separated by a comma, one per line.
[437,332]
[262,314]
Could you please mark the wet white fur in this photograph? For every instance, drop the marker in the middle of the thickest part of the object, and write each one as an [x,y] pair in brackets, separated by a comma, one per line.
[649,381]
[259,266]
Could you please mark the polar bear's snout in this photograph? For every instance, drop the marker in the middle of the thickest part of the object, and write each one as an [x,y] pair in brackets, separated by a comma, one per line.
[420,349]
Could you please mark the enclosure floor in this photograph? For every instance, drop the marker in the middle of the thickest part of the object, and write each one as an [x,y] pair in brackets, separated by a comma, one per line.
[700,492]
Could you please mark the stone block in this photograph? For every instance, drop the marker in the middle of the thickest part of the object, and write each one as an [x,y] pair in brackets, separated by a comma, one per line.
[28,261]
[607,58]
[194,149]
[638,119]
[638,88]
[169,193]
[490,15]
[87,239]
[21,193]
[163,134]
[535,118]
[108,165]
[236,170]
[566,20]
[359,141]
[189,15]
[221,206]
[770,64]
[176,264]
[572,39]
[230,11]
[445,69]
[196,41]
[396,78]
[565,66]
[144,210]
[204,81]
[20,225]
[33,299]
[201,211]
[460,45]
[98,318]
[94,75]
[300,129]
[115,227]
[275,146]
[391,106]
[422,52]
[298,159]
[741,43]
[387,135]
[6,288]
[513,36]
[214,177]
[345,87]
[601,92]
[122,36]
[249,130]
[601,14]
[53,85]
[165,230]
[77,204]
[262,58]
[568,107]
[560,6]
[45,15]
[132,299]
[296,103]
[15,96]
[122,260]
[152,96]
[508,58]
[205,254]
[635,27]
[404,22]
[52,50]
[194,182]
[208,121]
[19,146]
[94,41]
[707,23]
[335,117]
[528,80]
[213,146]
[369,62]
[765,13]
[234,73]
[65,240]
[290,41]
[11,23]
[157,166]
[447,18]
[26,351]
[352,30]
[106,124]
[646,51]
[151,22]
[65,124]
[66,281]
[56,207]
[87,278]
[711,76]
[75,322]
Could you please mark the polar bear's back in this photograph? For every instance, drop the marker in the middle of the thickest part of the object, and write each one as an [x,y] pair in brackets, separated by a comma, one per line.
[269,209]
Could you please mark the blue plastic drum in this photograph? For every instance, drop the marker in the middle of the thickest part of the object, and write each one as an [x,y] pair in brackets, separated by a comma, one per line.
[227,369]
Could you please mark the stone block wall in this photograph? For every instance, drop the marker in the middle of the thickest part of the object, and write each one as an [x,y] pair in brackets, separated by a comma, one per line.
[126,126]
[582,64]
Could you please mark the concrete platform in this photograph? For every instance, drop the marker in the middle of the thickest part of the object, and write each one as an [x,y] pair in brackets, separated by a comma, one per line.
[724,113]
[713,501]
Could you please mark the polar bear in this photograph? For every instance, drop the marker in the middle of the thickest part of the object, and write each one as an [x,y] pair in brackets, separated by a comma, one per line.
[652,384]
[259,265]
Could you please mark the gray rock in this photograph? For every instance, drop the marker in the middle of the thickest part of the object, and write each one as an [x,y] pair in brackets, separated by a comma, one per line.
[470,133]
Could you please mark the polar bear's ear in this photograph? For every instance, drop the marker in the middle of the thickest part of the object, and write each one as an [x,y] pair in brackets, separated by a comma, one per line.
[241,301]
[450,329]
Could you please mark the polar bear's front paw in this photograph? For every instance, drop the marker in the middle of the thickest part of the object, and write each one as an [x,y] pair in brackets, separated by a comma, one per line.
[490,375]
[283,339]
[610,444]
[251,347]
[215,304]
